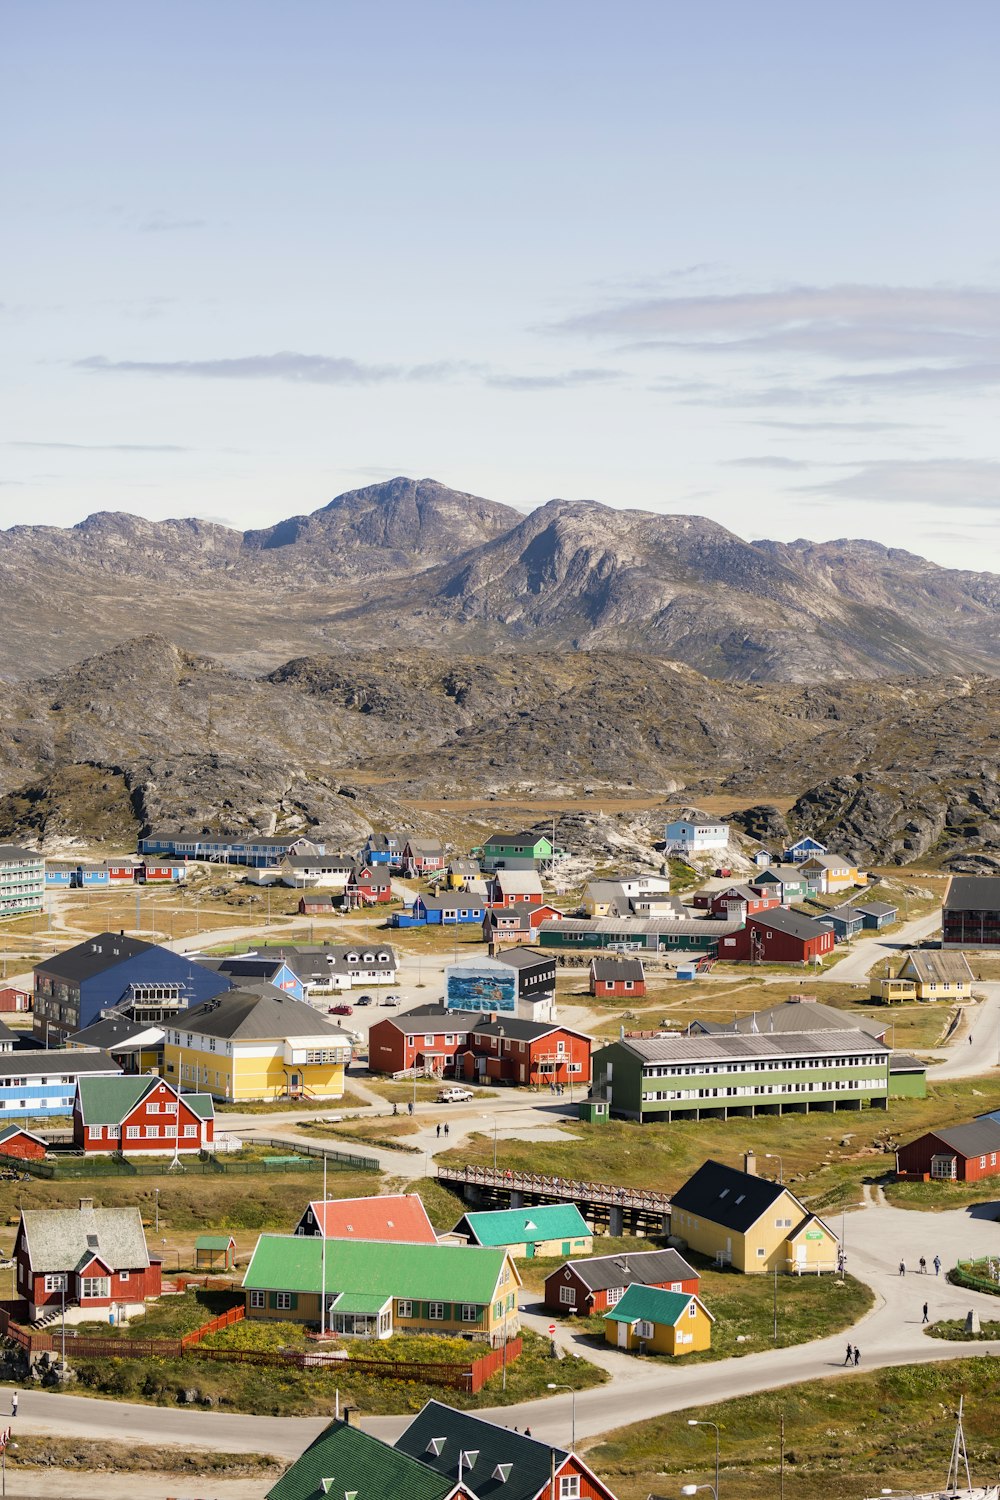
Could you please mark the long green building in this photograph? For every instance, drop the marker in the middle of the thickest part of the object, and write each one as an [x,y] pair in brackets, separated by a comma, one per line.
[713,1077]
[638,934]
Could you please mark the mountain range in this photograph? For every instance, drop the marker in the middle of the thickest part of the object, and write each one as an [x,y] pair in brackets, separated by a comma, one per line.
[417,564]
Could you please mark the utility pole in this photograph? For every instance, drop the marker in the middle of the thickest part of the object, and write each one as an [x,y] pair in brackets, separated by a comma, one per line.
[781,1469]
[322,1274]
[775,1302]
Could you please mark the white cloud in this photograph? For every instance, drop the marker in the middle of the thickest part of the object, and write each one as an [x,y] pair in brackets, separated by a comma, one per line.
[938,482]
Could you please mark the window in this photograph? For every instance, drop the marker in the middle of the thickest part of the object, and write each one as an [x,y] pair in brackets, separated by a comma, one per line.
[760,1252]
[567,1296]
[132,1132]
[95,1286]
[692,1309]
[256,1299]
[470,1312]
[404,1309]
[569,1487]
[435,1310]
[123,1276]
[190,1130]
[56,1282]
[644,1329]
[283,1301]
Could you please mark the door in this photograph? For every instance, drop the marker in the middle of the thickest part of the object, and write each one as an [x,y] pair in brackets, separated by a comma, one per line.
[623,1335]
[800,1253]
[529,1250]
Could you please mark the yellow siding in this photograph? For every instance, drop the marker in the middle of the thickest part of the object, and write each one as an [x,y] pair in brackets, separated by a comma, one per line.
[759,1250]
[249,1077]
[577,1246]
[810,1254]
[666,1338]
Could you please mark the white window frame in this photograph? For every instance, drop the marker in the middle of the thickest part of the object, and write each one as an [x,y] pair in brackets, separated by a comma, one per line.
[283,1301]
[567,1296]
[258,1299]
[55,1281]
[404,1307]
[435,1311]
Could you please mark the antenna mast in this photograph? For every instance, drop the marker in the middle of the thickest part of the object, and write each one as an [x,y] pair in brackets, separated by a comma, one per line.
[959,1456]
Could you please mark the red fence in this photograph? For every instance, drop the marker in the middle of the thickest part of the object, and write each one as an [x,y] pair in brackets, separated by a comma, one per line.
[471,1377]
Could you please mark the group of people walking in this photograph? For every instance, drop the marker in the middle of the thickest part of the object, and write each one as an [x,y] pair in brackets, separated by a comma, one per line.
[922,1263]
[853,1355]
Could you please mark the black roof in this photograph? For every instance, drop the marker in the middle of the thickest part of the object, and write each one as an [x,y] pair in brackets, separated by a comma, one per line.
[458,1432]
[519,910]
[973,1139]
[521,1031]
[780,920]
[251,968]
[526,958]
[94,956]
[617,968]
[644,1266]
[724,1195]
[875,908]
[54,1061]
[113,1031]
[973,893]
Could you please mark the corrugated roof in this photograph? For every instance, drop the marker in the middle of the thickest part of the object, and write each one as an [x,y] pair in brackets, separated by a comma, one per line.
[615,969]
[525,958]
[799,1016]
[973,893]
[598,1272]
[514,1226]
[106,1101]
[652,1303]
[103,951]
[457,1432]
[974,1139]
[727,1045]
[58,1239]
[454,1273]
[213,1242]
[245,1015]
[626,927]
[52,1063]
[355,1461]
[399,1217]
[934,966]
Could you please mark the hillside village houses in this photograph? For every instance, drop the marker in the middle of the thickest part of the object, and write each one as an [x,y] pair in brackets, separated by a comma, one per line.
[22,881]
[751,1223]
[696,835]
[91,1258]
[651,1320]
[928,974]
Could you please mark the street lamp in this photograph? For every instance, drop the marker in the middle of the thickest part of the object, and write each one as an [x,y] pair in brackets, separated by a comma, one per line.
[552,1386]
[494,1119]
[694,1422]
[773,1156]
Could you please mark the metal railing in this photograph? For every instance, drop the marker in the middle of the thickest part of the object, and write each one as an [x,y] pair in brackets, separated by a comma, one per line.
[562,1189]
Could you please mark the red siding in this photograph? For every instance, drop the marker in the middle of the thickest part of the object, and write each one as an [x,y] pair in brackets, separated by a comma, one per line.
[13,999]
[774,946]
[618,987]
[914,1160]
[591,1488]
[23,1147]
[502,1058]
[588,1302]
[150,1125]
[389,1052]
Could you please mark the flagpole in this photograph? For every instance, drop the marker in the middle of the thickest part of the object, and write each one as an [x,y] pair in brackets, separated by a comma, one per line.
[322,1277]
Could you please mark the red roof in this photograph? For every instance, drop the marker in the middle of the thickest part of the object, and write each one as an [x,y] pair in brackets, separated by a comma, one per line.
[397,1216]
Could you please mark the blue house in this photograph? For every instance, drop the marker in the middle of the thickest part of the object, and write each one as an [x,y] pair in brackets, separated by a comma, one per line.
[845,921]
[59,877]
[803,849]
[459,907]
[382,849]
[112,972]
[44,1082]
[258,966]
[93,877]
[876,914]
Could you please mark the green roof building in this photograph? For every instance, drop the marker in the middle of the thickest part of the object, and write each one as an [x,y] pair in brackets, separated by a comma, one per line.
[376,1288]
[343,1460]
[544,1229]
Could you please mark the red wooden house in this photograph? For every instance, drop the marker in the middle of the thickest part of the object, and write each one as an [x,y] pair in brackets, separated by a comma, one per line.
[92,1257]
[506,925]
[369,886]
[960,1153]
[120,871]
[720,903]
[318,904]
[777,937]
[140,1113]
[427,1037]
[515,888]
[624,977]
[14,999]
[15,1141]
[421,855]
[526,1052]
[594,1284]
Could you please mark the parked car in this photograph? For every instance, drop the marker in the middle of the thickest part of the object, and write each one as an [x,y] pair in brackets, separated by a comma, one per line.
[363,1000]
[723,872]
[340,1010]
[454,1095]
[391,1000]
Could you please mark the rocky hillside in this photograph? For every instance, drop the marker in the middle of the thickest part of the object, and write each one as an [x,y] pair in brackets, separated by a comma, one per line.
[149,734]
[412,563]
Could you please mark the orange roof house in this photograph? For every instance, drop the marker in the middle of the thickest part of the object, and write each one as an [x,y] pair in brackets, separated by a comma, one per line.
[399,1217]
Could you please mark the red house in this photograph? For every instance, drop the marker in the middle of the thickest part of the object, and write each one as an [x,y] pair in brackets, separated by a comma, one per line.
[14,999]
[962,1153]
[120,871]
[721,902]
[506,925]
[598,1282]
[421,855]
[617,976]
[134,1113]
[427,1037]
[369,886]
[777,937]
[92,1257]
[21,1143]
[318,904]
[515,888]
[526,1052]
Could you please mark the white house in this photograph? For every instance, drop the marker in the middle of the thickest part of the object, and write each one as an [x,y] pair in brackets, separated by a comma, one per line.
[697,835]
[328,871]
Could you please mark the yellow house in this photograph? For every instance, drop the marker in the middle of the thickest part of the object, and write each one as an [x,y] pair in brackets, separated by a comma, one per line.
[750,1222]
[656,1321]
[834,872]
[375,1288]
[937,975]
[252,1044]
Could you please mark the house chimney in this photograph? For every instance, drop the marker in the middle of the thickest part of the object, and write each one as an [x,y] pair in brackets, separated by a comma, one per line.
[85,1204]
[750,1164]
[351,1415]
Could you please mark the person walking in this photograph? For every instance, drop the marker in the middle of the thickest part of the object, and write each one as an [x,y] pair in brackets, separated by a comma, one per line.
[923,1266]
[446,1127]
[970,1038]
[926,1318]
[902,1268]
[13,1404]
[849,1360]
[937,1265]
[439,1132]
[857,1356]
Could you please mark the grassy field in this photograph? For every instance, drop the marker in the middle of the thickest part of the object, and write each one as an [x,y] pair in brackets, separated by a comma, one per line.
[373,1132]
[935,1197]
[953,1329]
[859,1435]
[824,1157]
[170,1318]
[294,1392]
[402,1092]
[69,1455]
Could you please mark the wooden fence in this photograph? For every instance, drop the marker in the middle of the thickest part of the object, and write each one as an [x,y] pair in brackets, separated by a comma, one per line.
[557,1189]
[471,1377]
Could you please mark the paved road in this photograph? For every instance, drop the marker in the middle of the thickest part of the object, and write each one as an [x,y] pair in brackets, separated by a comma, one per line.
[856,964]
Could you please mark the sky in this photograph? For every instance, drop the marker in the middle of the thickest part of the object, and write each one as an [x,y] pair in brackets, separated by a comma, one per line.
[731,260]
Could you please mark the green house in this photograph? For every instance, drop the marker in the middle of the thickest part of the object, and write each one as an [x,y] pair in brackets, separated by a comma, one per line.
[343,1460]
[542,1229]
[503,850]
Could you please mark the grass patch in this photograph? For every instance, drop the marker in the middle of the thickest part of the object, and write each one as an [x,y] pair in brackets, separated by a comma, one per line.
[373,1132]
[291,1392]
[936,1197]
[954,1330]
[347,1100]
[856,1435]
[402,1092]
[825,1157]
[170,1318]
[77,1455]
[444,1208]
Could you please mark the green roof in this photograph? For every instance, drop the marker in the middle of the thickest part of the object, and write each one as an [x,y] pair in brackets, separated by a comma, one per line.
[450,1273]
[213,1242]
[201,1105]
[528,1460]
[368,1303]
[652,1303]
[106,1101]
[516,1226]
[354,1460]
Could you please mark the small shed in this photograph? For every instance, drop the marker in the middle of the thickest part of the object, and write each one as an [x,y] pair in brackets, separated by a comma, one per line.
[208,1248]
[22,1144]
[594,1111]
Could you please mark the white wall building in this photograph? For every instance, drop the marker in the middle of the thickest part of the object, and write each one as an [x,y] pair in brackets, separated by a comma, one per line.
[697,836]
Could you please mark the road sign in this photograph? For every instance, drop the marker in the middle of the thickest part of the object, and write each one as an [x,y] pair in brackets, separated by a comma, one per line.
[552,1329]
